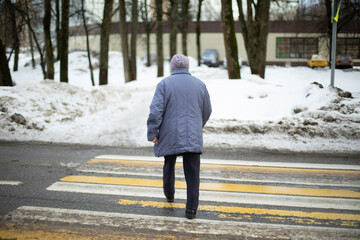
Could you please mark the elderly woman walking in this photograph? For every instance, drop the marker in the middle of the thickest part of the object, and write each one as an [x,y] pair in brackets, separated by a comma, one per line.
[178,112]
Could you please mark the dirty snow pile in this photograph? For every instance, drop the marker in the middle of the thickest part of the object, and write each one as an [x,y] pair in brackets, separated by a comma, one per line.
[292,109]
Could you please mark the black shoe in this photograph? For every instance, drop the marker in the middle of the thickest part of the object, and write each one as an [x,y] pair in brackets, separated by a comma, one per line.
[190,214]
[170,199]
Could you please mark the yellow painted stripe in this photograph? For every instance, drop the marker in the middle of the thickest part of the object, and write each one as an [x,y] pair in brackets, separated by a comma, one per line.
[218,186]
[129,163]
[232,168]
[44,232]
[272,215]
[242,210]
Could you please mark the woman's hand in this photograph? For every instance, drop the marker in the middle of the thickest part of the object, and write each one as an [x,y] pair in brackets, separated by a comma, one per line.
[155,141]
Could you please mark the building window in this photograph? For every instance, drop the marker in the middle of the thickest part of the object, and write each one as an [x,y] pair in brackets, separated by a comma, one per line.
[282,47]
[348,46]
[296,47]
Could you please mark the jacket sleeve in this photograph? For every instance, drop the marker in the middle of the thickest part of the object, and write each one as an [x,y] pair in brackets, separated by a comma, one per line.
[206,107]
[156,113]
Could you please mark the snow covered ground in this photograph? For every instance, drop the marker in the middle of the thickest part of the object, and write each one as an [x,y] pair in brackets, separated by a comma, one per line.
[283,112]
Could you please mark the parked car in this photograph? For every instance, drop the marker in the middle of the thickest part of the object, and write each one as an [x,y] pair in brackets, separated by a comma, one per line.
[210,58]
[239,59]
[317,61]
[344,62]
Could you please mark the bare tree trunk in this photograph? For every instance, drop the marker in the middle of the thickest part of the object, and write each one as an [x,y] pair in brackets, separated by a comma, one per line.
[47,38]
[198,44]
[33,64]
[58,32]
[5,76]
[87,42]
[231,47]
[104,42]
[124,41]
[42,63]
[159,40]
[255,31]
[173,26]
[64,43]
[15,35]
[148,57]
[134,28]
[148,27]
[28,22]
[184,29]
[27,12]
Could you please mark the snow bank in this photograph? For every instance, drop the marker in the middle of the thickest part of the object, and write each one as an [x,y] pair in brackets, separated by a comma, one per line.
[286,111]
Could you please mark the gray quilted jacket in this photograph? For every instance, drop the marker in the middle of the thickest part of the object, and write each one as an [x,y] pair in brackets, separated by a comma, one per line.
[178,112]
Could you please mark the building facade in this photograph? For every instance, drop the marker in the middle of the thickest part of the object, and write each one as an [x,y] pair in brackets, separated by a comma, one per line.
[288,43]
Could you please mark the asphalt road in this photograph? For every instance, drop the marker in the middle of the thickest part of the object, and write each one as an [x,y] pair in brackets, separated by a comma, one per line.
[40,153]
[39,166]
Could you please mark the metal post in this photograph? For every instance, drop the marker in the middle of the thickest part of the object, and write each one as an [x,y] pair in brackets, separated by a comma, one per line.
[333,52]
[334,20]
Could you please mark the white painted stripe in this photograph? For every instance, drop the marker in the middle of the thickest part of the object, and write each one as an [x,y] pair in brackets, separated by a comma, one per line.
[181,176]
[241,163]
[179,225]
[13,183]
[126,173]
[212,196]
[130,157]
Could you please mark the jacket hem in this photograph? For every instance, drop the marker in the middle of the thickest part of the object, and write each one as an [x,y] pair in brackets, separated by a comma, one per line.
[179,151]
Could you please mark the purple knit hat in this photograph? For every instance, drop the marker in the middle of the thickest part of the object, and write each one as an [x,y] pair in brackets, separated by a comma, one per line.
[179,61]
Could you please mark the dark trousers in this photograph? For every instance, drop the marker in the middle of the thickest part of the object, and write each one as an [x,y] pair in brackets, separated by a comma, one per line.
[191,164]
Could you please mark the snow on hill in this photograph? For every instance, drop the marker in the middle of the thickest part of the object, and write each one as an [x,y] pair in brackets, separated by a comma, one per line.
[292,109]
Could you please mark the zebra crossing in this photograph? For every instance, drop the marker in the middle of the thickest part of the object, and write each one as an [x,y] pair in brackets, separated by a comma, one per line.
[298,197]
